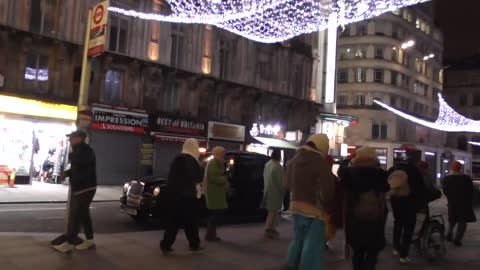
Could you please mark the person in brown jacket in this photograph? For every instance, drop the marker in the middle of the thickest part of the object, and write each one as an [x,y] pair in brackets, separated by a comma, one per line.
[312,186]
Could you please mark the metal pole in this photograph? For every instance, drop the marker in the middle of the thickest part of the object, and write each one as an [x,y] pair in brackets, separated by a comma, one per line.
[84,80]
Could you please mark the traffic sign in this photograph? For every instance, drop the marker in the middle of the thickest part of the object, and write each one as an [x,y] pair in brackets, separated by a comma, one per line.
[98,29]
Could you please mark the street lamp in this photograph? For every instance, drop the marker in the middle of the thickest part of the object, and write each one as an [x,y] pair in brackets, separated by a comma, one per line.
[408,44]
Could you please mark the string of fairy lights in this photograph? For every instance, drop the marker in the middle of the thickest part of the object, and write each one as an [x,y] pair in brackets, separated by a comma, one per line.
[448,119]
[270,21]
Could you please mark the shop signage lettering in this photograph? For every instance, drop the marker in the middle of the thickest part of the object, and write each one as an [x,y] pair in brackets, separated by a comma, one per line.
[123,121]
[180,127]
[261,129]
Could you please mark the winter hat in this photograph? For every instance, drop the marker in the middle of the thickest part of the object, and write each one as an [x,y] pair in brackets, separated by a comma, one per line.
[365,153]
[456,166]
[321,142]
[191,147]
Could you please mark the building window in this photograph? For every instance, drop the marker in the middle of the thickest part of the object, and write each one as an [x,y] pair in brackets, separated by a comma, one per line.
[378,76]
[393,101]
[361,75]
[380,28]
[406,60]
[171,101]
[379,131]
[462,100]
[178,43]
[342,76]
[118,38]
[345,32]
[113,87]
[36,73]
[362,29]
[360,100]
[42,16]
[420,88]
[394,54]
[435,93]
[476,100]
[361,52]
[345,53]
[342,100]
[394,77]
[405,104]
[379,53]
[225,58]
[397,12]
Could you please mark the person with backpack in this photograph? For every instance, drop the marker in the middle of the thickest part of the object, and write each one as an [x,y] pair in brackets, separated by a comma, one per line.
[459,190]
[407,197]
[365,186]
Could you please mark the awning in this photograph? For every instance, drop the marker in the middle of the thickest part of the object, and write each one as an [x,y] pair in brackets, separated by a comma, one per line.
[276,143]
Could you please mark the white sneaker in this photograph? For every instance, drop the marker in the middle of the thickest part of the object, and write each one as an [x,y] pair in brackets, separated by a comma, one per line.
[87,244]
[64,248]
[405,260]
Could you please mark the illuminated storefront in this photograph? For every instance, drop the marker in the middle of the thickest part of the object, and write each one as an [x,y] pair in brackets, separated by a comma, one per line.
[32,135]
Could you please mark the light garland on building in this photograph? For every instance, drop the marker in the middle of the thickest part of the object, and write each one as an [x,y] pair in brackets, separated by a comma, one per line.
[448,119]
[271,21]
[474,143]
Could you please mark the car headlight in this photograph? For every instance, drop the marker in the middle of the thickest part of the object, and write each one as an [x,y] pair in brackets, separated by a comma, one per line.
[156,191]
[125,187]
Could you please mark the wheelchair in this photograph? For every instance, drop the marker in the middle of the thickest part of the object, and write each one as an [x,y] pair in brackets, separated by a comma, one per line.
[430,241]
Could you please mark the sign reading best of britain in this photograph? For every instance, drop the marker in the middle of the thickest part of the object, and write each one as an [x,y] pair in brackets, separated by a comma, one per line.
[98,29]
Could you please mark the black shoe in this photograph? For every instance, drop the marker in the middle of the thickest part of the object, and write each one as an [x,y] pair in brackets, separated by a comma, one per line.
[458,243]
[166,251]
[197,250]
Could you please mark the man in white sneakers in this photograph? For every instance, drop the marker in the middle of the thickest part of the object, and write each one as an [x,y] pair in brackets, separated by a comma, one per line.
[83,185]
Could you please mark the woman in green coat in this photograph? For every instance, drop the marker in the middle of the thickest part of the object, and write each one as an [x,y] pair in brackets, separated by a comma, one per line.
[274,192]
[215,185]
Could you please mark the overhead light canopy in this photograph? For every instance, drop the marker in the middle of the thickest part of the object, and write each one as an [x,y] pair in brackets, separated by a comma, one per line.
[271,21]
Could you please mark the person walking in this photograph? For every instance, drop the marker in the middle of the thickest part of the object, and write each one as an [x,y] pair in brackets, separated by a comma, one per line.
[83,186]
[407,197]
[459,190]
[181,197]
[215,185]
[365,186]
[273,193]
[312,186]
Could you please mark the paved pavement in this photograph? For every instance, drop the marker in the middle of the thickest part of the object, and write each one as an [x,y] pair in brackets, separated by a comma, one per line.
[43,193]
[244,248]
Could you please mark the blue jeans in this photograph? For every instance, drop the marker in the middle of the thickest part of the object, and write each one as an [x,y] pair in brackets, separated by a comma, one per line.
[307,248]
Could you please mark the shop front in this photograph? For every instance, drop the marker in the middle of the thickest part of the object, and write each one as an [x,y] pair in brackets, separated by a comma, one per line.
[33,142]
[265,138]
[231,137]
[119,137]
[169,135]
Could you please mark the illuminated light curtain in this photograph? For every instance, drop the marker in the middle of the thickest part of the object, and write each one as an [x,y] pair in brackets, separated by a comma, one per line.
[448,119]
[271,21]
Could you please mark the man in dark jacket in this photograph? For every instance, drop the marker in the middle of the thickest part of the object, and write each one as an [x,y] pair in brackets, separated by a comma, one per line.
[458,188]
[406,208]
[181,194]
[83,185]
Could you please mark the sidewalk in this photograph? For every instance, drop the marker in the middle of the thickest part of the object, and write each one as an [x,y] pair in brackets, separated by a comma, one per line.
[244,248]
[51,193]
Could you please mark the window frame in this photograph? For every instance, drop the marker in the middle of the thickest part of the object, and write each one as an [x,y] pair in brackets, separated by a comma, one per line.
[377,72]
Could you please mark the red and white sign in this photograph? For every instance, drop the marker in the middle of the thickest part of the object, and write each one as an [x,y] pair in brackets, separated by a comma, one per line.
[119,120]
[98,29]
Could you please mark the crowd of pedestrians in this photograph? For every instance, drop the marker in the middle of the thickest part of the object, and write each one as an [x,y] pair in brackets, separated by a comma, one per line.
[320,202]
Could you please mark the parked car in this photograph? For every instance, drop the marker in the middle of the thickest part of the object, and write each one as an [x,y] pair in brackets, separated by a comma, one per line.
[142,198]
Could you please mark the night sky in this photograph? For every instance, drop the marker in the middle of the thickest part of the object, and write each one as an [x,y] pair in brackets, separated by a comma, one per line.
[460,22]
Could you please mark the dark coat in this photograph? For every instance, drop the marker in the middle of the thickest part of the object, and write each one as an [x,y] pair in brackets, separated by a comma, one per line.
[83,170]
[361,234]
[184,175]
[418,197]
[459,191]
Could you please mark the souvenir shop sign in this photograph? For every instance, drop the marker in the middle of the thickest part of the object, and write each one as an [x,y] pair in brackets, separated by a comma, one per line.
[121,121]
[178,126]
